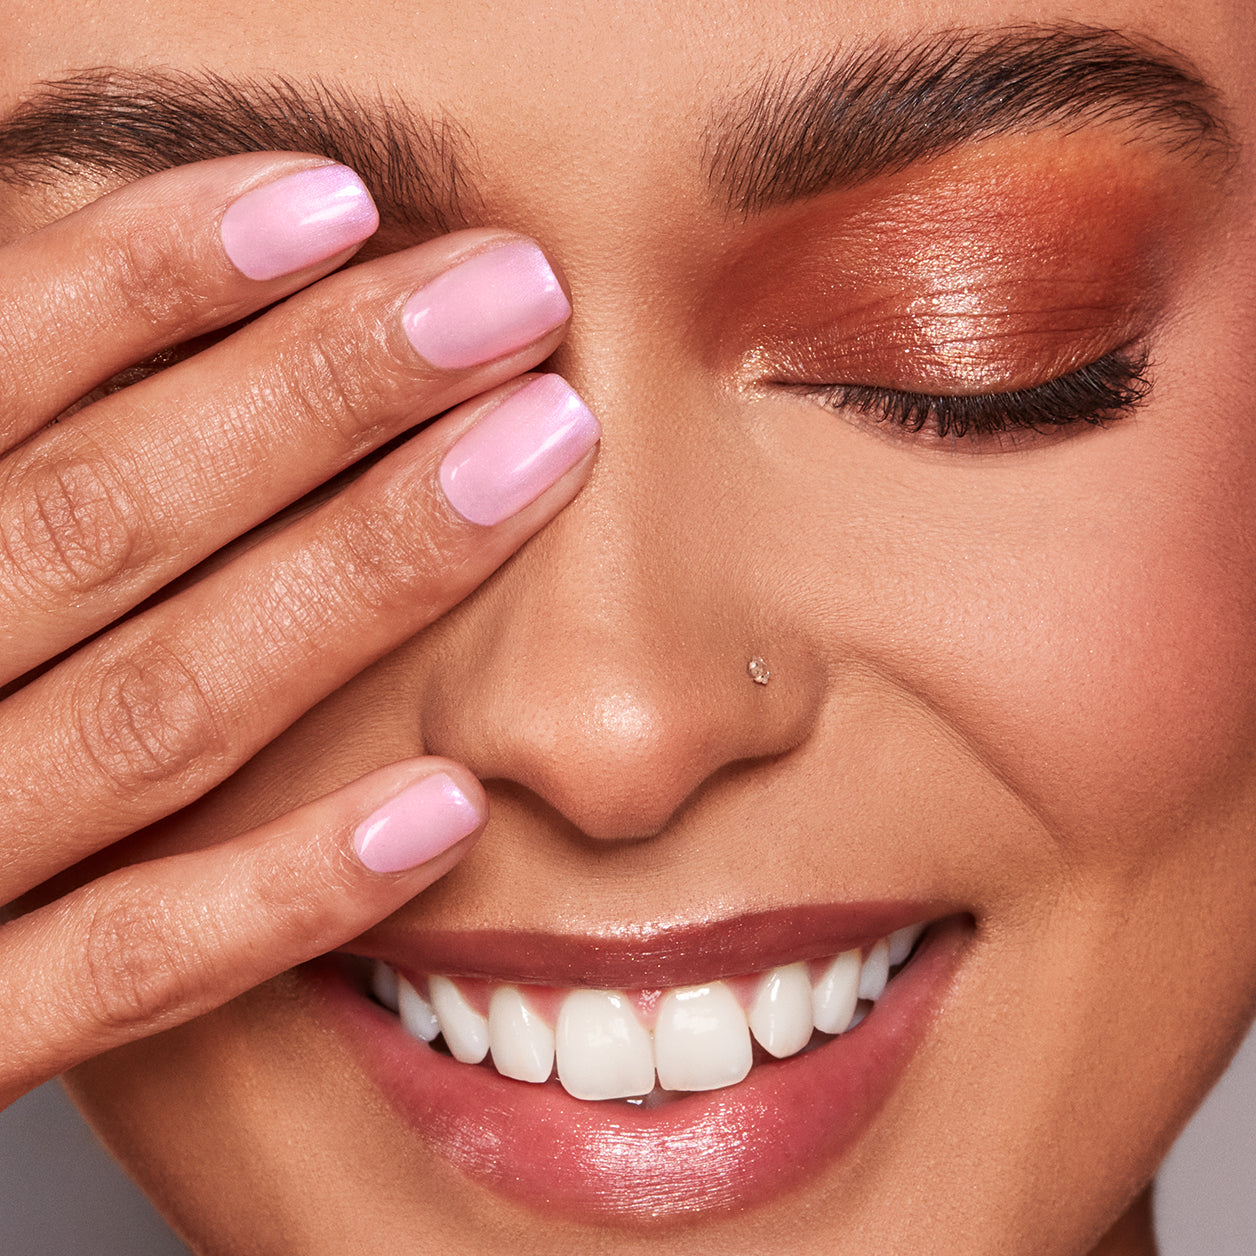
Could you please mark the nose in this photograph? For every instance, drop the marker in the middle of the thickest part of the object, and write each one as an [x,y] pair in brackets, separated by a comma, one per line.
[605,669]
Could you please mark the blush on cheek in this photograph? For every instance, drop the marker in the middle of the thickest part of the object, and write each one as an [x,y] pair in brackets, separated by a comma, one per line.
[1148,710]
[1080,620]
[1118,694]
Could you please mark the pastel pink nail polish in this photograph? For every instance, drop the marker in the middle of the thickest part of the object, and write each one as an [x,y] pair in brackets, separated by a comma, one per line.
[416,825]
[488,306]
[517,450]
[297,221]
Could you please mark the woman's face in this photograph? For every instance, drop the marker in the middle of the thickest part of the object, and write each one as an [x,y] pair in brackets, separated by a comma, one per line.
[1012,675]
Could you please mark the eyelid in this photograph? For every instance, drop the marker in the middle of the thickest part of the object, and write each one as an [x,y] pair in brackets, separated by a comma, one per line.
[1103,390]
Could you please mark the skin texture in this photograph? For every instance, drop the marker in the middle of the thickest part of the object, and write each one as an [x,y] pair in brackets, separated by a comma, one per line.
[1016,679]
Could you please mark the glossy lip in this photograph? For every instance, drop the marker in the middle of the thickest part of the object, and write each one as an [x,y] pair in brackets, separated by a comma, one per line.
[648,956]
[642,1167]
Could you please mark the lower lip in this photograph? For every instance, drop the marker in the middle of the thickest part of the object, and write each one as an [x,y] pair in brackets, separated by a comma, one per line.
[712,1151]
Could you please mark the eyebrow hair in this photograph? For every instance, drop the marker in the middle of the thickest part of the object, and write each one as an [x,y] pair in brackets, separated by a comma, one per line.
[794,134]
[879,109]
[113,122]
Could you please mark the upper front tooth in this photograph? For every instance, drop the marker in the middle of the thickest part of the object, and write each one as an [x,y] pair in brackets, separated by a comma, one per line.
[780,1016]
[603,1049]
[835,994]
[701,1039]
[901,942]
[521,1042]
[465,1030]
[876,972]
[416,1012]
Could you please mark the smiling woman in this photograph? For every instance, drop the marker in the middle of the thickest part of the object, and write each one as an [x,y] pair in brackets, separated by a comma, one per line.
[810,806]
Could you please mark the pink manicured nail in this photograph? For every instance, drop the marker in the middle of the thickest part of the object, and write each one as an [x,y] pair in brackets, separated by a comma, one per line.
[486,307]
[297,221]
[517,450]
[416,825]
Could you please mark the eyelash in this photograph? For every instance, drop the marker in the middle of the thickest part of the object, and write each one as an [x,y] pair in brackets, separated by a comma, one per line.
[1107,389]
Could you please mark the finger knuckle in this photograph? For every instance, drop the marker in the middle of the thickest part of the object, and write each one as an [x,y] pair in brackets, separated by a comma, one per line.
[72,525]
[146,719]
[304,908]
[152,274]
[336,382]
[138,961]
[389,549]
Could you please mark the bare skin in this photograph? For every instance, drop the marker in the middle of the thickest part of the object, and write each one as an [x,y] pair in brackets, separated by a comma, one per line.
[1014,678]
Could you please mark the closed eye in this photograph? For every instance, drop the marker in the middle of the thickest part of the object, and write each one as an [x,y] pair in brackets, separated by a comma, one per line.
[1098,393]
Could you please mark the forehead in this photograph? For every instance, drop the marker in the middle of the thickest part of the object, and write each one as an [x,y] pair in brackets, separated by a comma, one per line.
[625,75]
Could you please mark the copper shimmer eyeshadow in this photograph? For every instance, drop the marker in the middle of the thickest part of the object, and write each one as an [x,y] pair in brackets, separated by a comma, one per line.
[995,268]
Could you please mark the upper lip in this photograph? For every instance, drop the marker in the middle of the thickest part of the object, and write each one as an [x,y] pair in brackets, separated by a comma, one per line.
[648,955]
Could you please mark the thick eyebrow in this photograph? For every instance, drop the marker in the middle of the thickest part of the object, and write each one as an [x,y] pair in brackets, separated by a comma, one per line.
[110,122]
[878,109]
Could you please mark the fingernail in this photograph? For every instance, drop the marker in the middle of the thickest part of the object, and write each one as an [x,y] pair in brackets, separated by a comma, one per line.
[416,825]
[517,450]
[297,221]
[486,307]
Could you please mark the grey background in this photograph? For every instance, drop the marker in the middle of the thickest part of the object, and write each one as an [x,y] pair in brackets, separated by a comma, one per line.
[60,1195]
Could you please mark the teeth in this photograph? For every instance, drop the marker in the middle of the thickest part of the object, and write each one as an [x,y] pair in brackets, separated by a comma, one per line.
[465,1030]
[602,1045]
[781,1014]
[901,942]
[701,1040]
[603,1049]
[416,1012]
[521,1042]
[833,999]
[384,982]
[876,972]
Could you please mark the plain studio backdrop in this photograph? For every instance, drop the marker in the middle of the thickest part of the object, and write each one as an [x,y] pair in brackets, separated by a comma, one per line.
[60,1195]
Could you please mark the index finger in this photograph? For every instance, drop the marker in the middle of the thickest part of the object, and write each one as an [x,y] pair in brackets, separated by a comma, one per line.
[160,261]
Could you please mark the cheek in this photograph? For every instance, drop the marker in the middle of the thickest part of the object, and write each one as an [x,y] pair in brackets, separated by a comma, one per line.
[1118,693]
[1082,619]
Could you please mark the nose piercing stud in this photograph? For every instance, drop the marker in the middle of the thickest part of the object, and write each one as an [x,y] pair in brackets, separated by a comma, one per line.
[758,670]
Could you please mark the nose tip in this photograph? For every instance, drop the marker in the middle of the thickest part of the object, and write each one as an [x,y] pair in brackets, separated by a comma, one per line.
[617,765]
[604,669]
[616,741]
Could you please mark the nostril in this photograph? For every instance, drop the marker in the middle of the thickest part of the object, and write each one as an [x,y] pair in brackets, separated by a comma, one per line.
[611,686]
[611,737]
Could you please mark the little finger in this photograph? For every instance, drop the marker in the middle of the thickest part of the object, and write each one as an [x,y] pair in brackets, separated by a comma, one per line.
[155,944]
